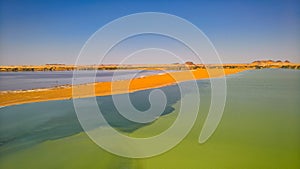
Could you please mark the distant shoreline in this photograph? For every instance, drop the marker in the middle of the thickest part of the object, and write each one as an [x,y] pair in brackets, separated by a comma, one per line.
[175,66]
[65,92]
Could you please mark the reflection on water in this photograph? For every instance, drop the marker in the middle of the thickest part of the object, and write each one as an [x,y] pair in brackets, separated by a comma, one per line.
[259,129]
[33,80]
[140,100]
[28,124]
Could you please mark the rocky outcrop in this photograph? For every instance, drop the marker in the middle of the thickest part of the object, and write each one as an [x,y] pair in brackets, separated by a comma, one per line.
[274,64]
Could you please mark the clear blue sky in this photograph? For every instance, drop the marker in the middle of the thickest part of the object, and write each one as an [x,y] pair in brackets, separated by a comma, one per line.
[52,31]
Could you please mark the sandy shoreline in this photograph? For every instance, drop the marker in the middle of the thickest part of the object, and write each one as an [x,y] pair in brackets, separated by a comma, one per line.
[8,98]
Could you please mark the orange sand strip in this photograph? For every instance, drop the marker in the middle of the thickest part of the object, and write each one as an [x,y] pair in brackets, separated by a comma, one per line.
[108,88]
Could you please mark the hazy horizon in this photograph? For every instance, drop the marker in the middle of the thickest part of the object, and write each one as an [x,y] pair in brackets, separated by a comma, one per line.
[138,63]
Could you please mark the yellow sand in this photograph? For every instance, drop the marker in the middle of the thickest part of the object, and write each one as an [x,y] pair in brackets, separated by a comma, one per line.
[108,88]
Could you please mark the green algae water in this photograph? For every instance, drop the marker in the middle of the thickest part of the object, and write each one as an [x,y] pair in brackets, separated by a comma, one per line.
[260,128]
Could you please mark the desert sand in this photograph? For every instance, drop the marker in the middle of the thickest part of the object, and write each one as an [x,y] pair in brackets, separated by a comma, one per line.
[8,98]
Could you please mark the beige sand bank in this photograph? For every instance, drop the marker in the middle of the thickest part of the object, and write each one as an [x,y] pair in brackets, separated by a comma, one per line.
[107,88]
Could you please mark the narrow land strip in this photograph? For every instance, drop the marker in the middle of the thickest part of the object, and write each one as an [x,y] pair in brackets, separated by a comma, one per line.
[8,98]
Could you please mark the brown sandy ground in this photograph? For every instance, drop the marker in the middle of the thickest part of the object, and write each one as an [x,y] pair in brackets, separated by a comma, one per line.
[8,98]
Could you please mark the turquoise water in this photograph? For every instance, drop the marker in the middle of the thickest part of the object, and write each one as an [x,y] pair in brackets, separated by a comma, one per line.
[29,124]
[260,128]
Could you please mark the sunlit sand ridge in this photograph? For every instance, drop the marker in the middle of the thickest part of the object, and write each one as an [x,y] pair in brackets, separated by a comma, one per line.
[8,98]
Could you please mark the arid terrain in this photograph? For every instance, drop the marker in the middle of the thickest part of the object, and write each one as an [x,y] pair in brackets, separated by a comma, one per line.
[175,66]
[188,71]
[107,88]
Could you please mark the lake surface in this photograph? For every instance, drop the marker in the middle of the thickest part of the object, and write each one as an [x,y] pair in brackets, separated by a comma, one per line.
[33,80]
[260,128]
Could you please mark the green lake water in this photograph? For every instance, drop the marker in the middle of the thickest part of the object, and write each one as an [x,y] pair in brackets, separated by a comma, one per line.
[260,128]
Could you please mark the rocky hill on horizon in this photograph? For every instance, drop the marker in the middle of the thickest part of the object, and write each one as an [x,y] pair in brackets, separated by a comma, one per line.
[258,64]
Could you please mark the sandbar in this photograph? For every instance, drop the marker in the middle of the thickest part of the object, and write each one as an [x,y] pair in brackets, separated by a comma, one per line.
[8,98]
